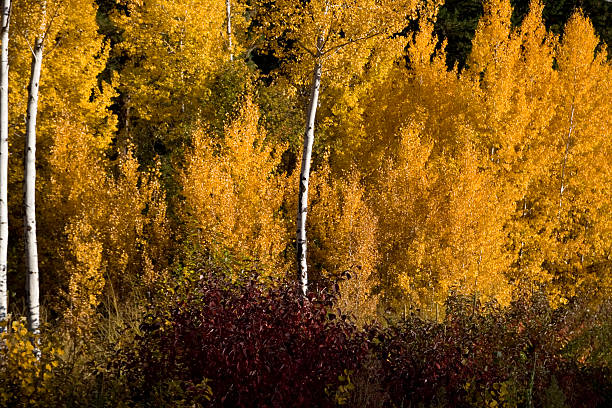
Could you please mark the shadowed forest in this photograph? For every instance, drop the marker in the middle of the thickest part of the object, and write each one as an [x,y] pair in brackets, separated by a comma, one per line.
[305,203]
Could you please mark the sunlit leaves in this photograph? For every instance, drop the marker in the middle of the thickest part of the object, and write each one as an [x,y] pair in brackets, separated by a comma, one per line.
[234,192]
[171,49]
[344,246]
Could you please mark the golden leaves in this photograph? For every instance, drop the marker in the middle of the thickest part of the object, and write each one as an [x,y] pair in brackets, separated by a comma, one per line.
[24,375]
[110,224]
[341,34]
[513,189]
[495,176]
[343,232]
[173,47]
[234,193]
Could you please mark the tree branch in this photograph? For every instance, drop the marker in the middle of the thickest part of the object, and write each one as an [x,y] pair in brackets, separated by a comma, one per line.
[351,41]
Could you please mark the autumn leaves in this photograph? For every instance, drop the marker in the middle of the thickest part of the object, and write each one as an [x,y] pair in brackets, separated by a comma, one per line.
[161,154]
[488,181]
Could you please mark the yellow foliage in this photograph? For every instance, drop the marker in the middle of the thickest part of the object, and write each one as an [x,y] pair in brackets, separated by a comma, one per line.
[482,181]
[24,375]
[441,212]
[75,55]
[172,47]
[339,33]
[233,196]
[69,178]
[498,176]
[343,235]
[112,225]
[439,229]
[86,274]
[100,224]
[545,127]
[354,43]
[571,205]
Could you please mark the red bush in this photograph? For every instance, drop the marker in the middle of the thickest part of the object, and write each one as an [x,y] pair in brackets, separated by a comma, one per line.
[258,347]
[466,359]
[270,347]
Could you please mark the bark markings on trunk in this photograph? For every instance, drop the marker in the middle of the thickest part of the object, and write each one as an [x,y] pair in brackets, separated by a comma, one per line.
[29,191]
[228,6]
[305,177]
[4,70]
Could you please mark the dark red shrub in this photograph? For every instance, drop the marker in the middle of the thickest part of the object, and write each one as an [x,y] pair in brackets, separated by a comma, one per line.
[479,349]
[257,346]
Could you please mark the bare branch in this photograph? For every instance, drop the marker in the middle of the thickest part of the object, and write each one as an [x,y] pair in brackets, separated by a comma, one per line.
[302,46]
[352,41]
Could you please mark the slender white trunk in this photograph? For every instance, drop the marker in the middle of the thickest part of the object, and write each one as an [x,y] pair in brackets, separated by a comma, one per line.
[520,254]
[29,190]
[4,70]
[304,178]
[230,48]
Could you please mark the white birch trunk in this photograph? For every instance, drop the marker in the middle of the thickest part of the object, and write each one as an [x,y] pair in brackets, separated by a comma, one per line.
[4,70]
[29,191]
[230,48]
[304,178]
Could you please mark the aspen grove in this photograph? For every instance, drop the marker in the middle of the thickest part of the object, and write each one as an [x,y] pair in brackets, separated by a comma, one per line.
[314,203]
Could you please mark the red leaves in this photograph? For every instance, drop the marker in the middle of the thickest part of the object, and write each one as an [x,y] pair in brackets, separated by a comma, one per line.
[422,359]
[258,346]
[265,347]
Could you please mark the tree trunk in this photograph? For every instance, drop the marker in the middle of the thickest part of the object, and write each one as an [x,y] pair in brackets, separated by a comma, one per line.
[305,176]
[228,6]
[4,70]
[29,190]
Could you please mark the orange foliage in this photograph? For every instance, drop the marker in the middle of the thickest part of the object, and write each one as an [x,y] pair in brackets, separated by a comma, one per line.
[114,226]
[482,181]
[343,234]
[233,196]
[497,176]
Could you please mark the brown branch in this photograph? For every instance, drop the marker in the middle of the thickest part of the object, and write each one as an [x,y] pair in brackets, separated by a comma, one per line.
[302,46]
[352,41]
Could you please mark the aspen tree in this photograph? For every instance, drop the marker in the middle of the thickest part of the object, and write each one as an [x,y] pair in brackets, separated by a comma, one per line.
[443,204]
[344,232]
[513,86]
[574,207]
[537,90]
[406,204]
[532,97]
[233,196]
[230,48]
[69,93]
[330,35]
[29,176]
[345,124]
[421,189]
[114,225]
[4,150]
[172,49]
